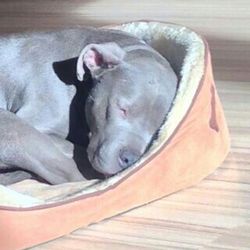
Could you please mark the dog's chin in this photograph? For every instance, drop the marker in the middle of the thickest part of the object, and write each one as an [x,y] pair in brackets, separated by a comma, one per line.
[99,165]
[107,174]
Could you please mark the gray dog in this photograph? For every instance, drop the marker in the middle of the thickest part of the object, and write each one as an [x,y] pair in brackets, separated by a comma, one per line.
[51,81]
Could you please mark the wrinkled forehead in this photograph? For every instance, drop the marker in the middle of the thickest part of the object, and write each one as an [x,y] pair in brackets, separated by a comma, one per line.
[130,85]
[121,82]
[137,72]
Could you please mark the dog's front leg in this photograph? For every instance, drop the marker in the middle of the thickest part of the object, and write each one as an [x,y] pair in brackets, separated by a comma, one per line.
[23,146]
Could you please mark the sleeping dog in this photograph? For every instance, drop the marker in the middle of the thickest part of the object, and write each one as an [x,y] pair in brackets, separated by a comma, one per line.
[52,81]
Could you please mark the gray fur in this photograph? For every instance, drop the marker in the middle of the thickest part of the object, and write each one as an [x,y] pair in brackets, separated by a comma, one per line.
[35,103]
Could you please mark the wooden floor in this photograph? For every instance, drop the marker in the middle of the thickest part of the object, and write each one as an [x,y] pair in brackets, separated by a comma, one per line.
[216,213]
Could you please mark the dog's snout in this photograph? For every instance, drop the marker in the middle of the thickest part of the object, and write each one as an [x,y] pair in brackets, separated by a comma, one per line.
[127,157]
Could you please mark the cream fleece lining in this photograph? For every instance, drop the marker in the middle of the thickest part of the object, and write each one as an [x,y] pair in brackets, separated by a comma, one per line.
[185,51]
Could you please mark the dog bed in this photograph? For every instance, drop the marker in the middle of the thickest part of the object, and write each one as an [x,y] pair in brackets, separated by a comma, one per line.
[190,145]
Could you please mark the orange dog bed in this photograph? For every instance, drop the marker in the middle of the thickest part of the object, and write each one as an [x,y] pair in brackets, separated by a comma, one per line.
[191,144]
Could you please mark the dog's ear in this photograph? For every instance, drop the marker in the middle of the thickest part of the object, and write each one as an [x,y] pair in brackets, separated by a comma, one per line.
[99,56]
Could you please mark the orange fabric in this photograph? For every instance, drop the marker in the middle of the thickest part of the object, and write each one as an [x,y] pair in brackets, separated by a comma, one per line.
[199,145]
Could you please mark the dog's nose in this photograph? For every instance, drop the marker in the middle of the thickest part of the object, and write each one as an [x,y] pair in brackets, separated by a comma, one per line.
[127,157]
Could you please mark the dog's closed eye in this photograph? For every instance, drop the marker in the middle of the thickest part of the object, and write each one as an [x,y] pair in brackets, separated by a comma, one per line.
[123,109]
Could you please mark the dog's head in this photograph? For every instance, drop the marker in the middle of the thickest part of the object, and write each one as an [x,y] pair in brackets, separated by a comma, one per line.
[131,95]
